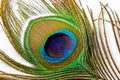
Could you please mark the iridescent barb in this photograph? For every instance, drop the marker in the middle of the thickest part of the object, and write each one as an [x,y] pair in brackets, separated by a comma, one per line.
[59,40]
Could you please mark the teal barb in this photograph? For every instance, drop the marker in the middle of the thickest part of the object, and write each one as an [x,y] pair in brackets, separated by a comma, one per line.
[58,40]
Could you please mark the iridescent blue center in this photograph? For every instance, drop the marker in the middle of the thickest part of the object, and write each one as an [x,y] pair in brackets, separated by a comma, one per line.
[58,46]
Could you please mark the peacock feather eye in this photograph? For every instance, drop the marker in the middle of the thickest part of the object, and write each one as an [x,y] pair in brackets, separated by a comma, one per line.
[60,40]
[53,42]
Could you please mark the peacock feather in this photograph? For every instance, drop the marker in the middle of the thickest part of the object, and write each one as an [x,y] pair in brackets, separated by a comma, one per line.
[59,40]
